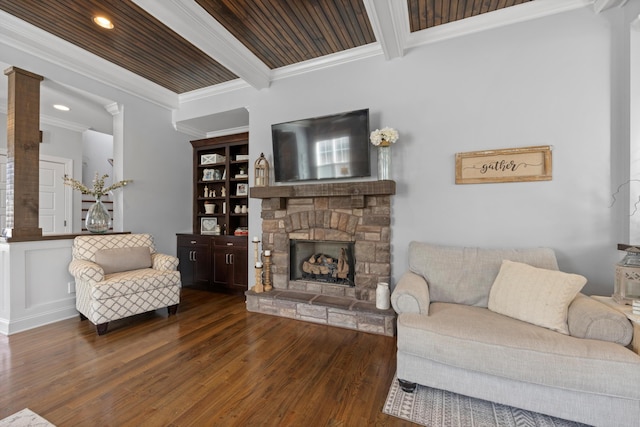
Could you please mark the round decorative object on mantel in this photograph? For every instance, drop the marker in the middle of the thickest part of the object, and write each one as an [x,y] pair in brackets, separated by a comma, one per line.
[98,219]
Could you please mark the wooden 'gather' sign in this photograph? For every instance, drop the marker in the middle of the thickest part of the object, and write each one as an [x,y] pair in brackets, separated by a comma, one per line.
[508,165]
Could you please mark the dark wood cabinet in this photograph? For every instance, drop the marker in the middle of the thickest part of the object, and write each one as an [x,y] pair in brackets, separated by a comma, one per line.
[230,264]
[194,254]
[221,181]
[215,258]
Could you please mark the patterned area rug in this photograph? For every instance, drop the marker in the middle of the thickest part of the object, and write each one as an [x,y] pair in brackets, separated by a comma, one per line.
[25,418]
[438,408]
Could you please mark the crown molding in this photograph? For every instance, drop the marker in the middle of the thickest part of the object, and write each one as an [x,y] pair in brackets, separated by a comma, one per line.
[218,89]
[496,19]
[600,5]
[327,61]
[188,130]
[231,131]
[28,38]
[54,121]
[64,124]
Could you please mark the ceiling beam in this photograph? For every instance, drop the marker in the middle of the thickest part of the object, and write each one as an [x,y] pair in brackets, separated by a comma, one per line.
[195,25]
[390,24]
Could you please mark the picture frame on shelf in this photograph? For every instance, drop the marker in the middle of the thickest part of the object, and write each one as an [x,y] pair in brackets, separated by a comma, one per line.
[208,174]
[242,189]
[208,225]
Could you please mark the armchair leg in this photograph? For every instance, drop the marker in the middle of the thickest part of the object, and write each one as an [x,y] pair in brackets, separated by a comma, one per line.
[173,309]
[101,329]
[82,316]
[407,386]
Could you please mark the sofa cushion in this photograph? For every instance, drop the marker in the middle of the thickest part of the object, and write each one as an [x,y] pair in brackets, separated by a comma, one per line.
[123,259]
[480,340]
[465,275]
[535,295]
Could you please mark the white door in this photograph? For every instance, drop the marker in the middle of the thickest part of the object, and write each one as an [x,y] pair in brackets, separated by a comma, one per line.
[55,200]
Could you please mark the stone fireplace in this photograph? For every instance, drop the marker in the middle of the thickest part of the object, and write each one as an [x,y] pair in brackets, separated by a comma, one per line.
[348,220]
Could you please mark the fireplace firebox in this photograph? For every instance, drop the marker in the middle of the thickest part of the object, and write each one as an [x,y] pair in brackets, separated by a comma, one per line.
[322,261]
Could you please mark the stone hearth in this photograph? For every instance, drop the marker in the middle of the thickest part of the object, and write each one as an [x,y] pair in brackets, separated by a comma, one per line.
[358,212]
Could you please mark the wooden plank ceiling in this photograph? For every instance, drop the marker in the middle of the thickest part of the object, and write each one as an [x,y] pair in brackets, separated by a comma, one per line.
[278,32]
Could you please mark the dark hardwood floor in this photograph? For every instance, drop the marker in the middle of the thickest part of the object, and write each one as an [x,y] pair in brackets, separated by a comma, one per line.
[214,364]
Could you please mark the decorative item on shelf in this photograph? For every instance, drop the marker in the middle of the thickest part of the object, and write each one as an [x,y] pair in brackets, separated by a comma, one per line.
[209,226]
[242,157]
[261,171]
[223,192]
[627,282]
[244,209]
[206,191]
[267,271]
[243,173]
[383,138]
[209,208]
[208,159]
[207,174]
[237,209]
[242,189]
[98,219]
[241,231]
[382,296]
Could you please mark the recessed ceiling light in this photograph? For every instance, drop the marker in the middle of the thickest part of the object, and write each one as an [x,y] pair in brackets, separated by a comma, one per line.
[103,22]
[61,107]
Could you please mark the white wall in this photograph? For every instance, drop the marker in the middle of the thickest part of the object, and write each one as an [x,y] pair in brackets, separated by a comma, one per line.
[542,82]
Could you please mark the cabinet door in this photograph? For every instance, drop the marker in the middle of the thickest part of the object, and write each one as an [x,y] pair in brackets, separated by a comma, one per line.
[239,267]
[220,266]
[194,255]
[186,265]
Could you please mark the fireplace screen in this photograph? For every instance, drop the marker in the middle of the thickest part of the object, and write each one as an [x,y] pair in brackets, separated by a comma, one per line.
[322,261]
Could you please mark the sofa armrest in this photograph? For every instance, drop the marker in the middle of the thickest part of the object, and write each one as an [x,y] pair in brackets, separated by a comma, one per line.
[588,318]
[411,295]
[164,262]
[86,270]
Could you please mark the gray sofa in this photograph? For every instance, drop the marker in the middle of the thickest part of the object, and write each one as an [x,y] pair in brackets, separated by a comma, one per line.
[449,339]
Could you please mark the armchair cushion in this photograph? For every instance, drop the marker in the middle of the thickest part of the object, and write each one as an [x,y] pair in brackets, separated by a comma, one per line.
[535,295]
[123,259]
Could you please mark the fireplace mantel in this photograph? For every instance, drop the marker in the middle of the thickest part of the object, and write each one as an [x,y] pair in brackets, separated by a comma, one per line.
[355,190]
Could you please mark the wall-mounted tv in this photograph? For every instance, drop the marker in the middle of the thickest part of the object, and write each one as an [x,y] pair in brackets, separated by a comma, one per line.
[328,147]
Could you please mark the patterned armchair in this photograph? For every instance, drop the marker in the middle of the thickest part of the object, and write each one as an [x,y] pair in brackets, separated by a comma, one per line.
[121,275]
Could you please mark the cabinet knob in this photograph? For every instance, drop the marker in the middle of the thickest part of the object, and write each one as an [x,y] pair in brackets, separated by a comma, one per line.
[193,242]
[229,244]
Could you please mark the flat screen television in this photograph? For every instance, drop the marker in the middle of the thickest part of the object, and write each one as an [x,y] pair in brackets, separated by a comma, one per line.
[328,147]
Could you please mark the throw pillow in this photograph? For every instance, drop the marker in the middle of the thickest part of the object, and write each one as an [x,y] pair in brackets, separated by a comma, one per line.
[535,295]
[123,259]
